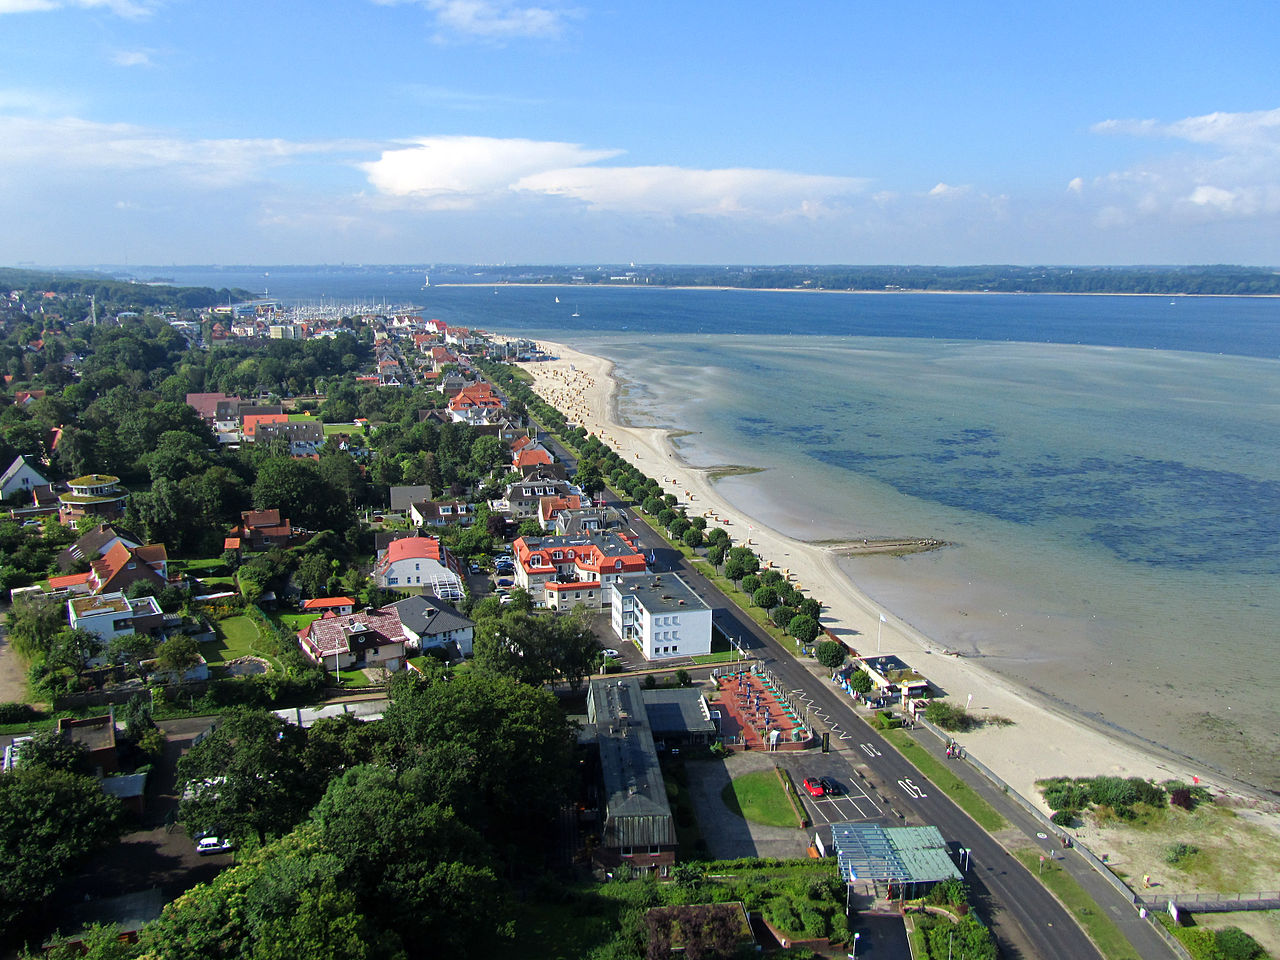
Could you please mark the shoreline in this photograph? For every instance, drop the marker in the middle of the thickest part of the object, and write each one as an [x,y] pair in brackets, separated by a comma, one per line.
[1048,738]
[884,293]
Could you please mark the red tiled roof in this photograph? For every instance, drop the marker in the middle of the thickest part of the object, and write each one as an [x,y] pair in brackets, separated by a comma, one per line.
[70,580]
[324,603]
[333,635]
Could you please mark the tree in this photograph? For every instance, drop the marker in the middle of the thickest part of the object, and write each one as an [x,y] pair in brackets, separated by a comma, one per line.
[72,649]
[49,820]
[831,654]
[537,649]
[246,776]
[530,528]
[52,751]
[766,598]
[32,623]
[715,554]
[692,537]
[177,655]
[804,628]
[860,682]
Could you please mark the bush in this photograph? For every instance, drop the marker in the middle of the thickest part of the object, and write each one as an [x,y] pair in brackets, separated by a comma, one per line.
[886,721]
[948,716]
[18,713]
[1232,943]
[1065,817]
[1180,854]
[1064,793]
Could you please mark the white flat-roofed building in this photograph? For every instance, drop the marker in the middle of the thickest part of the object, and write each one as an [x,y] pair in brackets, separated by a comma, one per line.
[662,616]
[111,615]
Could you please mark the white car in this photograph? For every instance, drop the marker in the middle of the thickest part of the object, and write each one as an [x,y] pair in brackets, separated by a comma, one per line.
[611,653]
[211,845]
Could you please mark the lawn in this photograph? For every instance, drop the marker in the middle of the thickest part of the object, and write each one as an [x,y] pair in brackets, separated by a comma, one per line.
[759,797]
[725,656]
[235,637]
[1105,935]
[353,678]
[293,622]
[945,779]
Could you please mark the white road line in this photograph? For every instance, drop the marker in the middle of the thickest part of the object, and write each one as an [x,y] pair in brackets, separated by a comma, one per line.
[912,789]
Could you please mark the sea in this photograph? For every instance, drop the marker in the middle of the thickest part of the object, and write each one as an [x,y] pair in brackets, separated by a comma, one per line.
[1104,469]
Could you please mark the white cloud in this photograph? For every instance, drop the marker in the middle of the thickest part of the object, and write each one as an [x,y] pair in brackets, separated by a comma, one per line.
[70,143]
[459,170]
[1076,185]
[463,171]
[946,190]
[1233,172]
[123,8]
[492,19]
[132,58]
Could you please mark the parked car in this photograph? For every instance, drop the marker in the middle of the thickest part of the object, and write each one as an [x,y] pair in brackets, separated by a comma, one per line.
[208,846]
[833,787]
[814,787]
[476,568]
[611,653]
[506,582]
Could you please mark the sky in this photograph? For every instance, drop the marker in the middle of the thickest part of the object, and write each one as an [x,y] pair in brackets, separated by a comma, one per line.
[488,131]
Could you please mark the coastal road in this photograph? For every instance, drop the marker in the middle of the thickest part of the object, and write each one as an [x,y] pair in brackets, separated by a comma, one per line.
[1026,919]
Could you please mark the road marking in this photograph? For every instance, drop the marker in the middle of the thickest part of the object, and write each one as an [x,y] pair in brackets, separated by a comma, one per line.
[912,789]
[870,750]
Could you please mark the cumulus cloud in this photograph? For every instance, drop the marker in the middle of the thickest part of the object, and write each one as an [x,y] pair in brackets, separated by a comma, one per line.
[1229,172]
[491,19]
[123,8]
[463,171]
[946,190]
[1076,185]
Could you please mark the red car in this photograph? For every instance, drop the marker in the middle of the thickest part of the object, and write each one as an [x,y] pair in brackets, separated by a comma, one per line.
[814,787]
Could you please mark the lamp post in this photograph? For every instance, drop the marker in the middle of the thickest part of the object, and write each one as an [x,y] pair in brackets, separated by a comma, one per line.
[854,955]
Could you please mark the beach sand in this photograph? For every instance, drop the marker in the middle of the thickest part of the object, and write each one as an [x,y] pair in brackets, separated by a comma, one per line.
[1043,740]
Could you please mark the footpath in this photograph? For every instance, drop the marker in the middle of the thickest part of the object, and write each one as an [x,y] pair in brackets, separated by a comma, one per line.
[1147,941]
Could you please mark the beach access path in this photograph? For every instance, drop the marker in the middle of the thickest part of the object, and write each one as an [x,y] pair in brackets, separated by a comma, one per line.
[1023,914]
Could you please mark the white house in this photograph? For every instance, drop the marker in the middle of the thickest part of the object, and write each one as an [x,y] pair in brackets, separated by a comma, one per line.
[420,562]
[585,565]
[430,622]
[21,477]
[112,615]
[662,616]
[374,638]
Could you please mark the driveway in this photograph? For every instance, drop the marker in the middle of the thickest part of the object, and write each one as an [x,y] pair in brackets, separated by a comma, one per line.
[13,676]
[728,835]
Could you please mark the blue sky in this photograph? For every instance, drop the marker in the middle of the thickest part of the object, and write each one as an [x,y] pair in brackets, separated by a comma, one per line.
[407,131]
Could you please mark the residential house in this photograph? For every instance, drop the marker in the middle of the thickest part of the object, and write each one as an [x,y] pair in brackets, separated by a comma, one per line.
[371,638]
[531,456]
[122,566]
[572,523]
[438,513]
[549,508]
[524,497]
[404,497]
[252,422]
[339,606]
[587,566]
[93,495]
[213,407]
[477,396]
[261,530]
[305,437]
[432,624]
[21,477]
[94,544]
[112,615]
[662,616]
[420,563]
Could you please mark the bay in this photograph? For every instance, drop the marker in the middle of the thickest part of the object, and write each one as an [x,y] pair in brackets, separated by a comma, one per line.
[1105,469]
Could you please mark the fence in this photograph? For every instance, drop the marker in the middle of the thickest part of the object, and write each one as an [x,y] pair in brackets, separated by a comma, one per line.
[1214,902]
[1103,870]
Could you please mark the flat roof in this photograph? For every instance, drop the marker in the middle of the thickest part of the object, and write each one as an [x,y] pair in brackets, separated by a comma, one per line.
[868,851]
[662,593]
[677,711]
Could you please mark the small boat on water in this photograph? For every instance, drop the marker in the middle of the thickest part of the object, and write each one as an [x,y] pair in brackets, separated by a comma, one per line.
[575,313]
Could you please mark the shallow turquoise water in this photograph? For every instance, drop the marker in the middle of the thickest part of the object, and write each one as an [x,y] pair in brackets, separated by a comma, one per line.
[1116,512]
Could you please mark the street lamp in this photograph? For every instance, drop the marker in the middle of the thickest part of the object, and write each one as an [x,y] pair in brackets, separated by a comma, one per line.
[854,955]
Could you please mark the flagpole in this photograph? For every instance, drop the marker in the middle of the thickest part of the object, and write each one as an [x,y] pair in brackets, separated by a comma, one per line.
[879,631]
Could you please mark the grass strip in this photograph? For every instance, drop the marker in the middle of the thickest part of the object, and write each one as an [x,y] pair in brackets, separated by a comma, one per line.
[945,779]
[1106,936]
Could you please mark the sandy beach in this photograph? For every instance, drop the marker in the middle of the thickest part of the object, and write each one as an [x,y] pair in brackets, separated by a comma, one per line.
[1043,741]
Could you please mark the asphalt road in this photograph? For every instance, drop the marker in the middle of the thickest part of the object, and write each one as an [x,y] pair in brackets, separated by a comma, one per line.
[1026,919]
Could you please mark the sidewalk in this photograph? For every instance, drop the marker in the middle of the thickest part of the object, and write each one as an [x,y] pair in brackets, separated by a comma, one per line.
[1138,931]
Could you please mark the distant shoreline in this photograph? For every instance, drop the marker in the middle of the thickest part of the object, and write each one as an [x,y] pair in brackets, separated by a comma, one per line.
[885,293]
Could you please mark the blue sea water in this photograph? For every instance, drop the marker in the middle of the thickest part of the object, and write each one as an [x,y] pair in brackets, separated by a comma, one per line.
[1106,468]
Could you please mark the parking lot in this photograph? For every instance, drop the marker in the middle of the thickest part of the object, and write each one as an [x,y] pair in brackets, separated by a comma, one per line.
[855,800]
